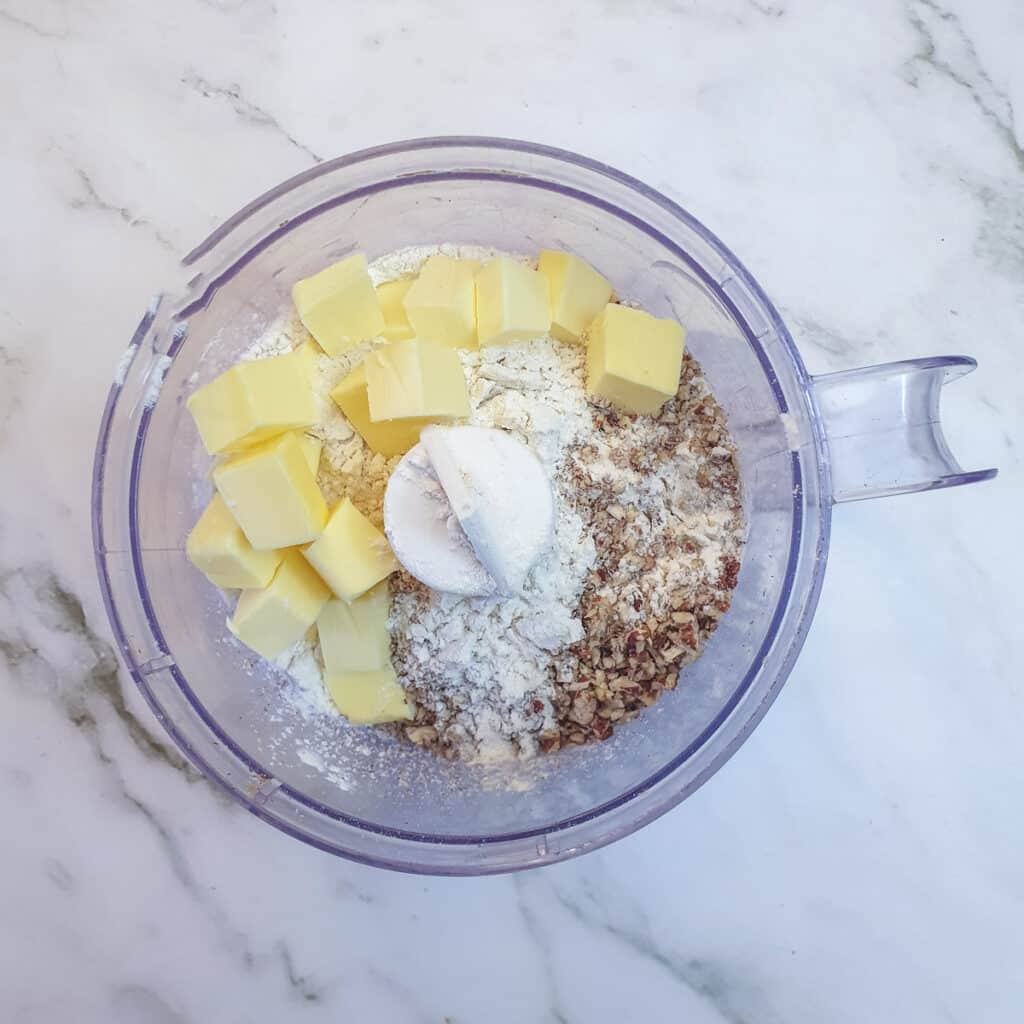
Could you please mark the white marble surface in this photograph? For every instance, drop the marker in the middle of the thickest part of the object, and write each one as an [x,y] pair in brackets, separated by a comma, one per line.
[862,857]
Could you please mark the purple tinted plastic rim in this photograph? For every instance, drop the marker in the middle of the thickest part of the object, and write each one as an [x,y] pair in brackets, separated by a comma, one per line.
[735,267]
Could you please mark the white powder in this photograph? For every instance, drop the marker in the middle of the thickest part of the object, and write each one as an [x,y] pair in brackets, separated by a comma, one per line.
[156,381]
[425,533]
[498,491]
[284,334]
[123,363]
[408,261]
[485,666]
[303,663]
[330,769]
[535,391]
[792,431]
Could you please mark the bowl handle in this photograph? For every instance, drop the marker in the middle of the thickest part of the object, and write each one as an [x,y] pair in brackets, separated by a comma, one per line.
[884,431]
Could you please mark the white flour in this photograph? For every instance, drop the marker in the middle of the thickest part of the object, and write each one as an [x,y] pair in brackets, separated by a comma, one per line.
[484,666]
[406,262]
[425,533]
[497,495]
[156,381]
[124,363]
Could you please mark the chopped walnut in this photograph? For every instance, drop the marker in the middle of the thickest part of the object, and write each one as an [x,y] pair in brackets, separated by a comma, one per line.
[643,625]
[583,708]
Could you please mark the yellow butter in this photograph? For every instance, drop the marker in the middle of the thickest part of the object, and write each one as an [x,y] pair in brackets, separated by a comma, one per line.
[339,305]
[369,698]
[389,437]
[218,548]
[351,555]
[440,303]
[272,619]
[578,293]
[390,295]
[512,303]
[415,378]
[273,495]
[633,358]
[309,354]
[253,401]
[311,449]
[354,635]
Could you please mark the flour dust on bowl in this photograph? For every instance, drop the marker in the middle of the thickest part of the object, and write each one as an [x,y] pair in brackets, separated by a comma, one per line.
[803,444]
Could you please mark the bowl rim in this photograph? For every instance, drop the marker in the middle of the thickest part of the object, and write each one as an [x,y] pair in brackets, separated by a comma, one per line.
[740,732]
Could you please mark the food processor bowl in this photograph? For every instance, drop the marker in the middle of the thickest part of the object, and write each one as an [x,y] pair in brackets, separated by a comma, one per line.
[804,443]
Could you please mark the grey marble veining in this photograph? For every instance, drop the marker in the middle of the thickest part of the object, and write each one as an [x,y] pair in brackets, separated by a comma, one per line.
[861,858]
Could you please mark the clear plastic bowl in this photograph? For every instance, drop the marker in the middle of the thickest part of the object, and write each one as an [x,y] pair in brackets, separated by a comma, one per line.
[355,792]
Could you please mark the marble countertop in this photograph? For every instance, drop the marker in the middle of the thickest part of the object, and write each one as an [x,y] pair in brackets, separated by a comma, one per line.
[862,857]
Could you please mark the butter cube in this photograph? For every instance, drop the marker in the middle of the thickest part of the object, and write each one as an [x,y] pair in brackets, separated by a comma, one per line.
[369,698]
[272,494]
[389,437]
[311,449]
[354,636]
[253,401]
[512,303]
[339,305]
[415,378]
[396,321]
[578,293]
[440,303]
[272,619]
[218,548]
[351,554]
[633,358]
[309,354]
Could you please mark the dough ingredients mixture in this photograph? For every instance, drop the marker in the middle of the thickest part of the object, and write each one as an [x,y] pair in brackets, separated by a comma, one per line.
[481,505]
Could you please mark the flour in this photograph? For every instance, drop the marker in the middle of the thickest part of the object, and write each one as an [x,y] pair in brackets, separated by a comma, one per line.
[124,363]
[303,663]
[408,261]
[496,490]
[424,532]
[283,335]
[156,381]
[792,431]
[485,668]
